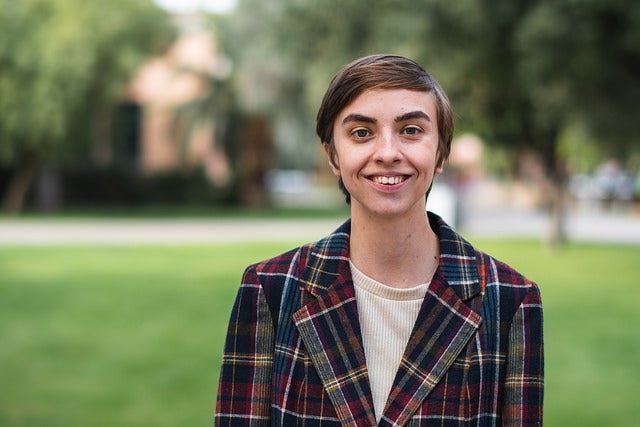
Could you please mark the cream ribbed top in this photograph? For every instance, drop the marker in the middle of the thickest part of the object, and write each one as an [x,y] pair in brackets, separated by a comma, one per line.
[387,316]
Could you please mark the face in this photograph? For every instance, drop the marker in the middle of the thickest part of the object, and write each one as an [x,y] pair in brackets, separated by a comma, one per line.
[386,144]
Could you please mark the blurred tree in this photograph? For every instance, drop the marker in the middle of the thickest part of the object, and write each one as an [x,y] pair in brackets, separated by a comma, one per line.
[63,66]
[518,71]
[263,84]
[538,67]
[212,106]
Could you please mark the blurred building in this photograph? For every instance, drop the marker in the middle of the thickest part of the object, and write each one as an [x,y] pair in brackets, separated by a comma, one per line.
[163,86]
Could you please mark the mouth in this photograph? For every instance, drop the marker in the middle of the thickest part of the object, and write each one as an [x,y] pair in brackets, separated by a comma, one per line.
[388,179]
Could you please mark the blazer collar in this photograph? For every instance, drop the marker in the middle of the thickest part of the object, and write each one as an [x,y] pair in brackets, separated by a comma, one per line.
[458,261]
[329,327]
[328,260]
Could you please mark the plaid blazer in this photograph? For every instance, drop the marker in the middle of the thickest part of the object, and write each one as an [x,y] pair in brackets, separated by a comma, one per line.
[294,355]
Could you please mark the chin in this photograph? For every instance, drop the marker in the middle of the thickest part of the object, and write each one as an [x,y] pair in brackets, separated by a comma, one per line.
[393,212]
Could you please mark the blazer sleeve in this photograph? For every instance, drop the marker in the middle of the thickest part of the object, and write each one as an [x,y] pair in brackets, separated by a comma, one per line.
[524,380]
[244,389]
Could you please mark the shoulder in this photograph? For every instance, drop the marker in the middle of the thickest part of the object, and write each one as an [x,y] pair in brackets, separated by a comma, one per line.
[295,260]
[269,280]
[500,271]
[504,285]
[468,267]
[279,266]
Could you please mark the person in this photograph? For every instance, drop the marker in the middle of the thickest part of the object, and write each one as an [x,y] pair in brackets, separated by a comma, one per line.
[394,318]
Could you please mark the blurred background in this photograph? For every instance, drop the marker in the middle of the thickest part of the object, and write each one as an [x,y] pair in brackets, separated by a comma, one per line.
[212,103]
[204,111]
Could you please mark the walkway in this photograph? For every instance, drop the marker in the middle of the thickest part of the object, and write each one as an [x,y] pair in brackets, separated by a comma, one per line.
[595,228]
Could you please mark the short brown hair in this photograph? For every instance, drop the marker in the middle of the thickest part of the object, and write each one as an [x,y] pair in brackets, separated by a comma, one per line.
[382,72]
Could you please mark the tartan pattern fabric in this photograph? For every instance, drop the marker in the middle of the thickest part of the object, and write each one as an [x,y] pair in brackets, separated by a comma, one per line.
[294,356]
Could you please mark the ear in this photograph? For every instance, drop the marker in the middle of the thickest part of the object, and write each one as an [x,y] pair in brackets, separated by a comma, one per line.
[440,167]
[332,157]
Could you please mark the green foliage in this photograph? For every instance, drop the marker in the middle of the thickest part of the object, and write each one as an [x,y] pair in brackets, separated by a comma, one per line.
[62,61]
[131,336]
[582,150]
[582,56]
[518,72]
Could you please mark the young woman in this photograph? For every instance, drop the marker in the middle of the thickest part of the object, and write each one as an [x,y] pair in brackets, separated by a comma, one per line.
[393,319]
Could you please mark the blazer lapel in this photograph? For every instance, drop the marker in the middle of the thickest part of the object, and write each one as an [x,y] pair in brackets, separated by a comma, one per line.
[444,327]
[328,325]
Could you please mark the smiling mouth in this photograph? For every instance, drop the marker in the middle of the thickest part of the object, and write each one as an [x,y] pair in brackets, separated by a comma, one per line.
[388,180]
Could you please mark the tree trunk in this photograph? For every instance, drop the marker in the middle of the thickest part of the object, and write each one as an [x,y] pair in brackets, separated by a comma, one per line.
[558,213]
[101,150]
[557,173]
[558,235]
[20,184]
[256,160]
[48,190]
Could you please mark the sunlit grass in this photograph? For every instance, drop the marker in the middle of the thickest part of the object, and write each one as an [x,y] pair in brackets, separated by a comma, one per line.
[131,336]
[114,336]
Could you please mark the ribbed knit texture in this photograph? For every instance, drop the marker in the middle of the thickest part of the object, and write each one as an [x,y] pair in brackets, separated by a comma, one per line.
[387,316]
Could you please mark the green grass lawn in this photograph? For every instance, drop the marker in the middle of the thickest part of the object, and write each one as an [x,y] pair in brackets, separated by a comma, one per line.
[132,336]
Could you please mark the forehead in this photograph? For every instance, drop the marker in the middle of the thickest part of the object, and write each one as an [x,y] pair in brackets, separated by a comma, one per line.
[382,102]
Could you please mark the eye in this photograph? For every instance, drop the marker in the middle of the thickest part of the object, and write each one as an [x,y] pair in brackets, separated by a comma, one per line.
[361,133]
[411,130]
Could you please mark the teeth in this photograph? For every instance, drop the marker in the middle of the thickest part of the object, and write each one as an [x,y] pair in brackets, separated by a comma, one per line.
[387,180]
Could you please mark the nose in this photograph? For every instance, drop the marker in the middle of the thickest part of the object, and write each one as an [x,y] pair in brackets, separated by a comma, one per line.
[387,148]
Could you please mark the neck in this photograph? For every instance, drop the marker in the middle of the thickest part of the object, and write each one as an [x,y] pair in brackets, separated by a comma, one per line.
[401,253]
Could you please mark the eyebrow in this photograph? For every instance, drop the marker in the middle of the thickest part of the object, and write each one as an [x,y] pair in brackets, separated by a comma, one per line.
[412,115]
[358,118]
